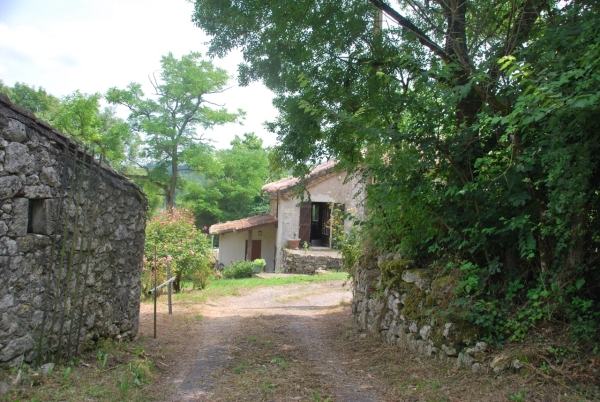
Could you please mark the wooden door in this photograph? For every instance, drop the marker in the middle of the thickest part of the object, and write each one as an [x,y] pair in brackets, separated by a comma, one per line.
[305,216]
[255,249]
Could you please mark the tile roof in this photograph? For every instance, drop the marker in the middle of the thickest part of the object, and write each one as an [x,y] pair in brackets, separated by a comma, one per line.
[242,224]
[289,183]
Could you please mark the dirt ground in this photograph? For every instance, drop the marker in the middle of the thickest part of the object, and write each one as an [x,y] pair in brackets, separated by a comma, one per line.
[298,343]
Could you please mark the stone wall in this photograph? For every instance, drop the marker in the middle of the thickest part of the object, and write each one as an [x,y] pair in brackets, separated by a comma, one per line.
[71,243]
[307,262]
[406,306]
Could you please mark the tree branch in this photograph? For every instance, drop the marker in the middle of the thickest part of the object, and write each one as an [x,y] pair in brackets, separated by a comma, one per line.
[406,23]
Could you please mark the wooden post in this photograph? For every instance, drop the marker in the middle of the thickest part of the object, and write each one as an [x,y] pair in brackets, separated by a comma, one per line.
[154,292]
[169,288]
[249,248]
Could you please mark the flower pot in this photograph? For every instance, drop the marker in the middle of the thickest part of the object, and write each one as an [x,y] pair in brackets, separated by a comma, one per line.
[294,243]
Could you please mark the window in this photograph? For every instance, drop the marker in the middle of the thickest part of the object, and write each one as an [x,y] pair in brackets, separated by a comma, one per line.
[38,219]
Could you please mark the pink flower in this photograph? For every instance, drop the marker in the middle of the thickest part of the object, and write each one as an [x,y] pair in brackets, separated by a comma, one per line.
[169,257]
[192,252]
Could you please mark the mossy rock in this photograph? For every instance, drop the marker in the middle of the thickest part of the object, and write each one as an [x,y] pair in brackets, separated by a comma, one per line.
[413,304]
[444,284]
[442,292]
[420,277]
[395,268]
[399,285]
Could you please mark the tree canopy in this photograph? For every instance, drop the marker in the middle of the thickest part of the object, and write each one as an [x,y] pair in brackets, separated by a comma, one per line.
[169,120]
[81,117]
[230,182]
[475,117]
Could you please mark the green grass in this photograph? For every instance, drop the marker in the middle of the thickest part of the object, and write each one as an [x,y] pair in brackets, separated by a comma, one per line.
[231,287]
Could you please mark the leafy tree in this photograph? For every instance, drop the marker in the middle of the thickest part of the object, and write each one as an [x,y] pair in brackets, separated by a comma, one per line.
[169,121]
[80,116]
[175,238]
[231,182]
[37,100]
[476,119]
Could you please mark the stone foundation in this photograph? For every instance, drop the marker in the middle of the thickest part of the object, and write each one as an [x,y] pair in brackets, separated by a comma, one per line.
[307,262]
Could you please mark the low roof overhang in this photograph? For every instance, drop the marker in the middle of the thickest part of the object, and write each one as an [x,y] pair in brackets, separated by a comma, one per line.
[243,224]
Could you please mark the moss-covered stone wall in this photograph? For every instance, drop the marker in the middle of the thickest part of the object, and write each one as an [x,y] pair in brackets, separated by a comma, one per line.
[407,306]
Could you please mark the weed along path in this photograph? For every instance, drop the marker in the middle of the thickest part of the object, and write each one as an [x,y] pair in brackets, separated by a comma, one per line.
[270,344]
[297,342]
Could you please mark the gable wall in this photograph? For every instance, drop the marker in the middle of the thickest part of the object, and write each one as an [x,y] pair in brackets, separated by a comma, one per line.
[331,189]
[69,277]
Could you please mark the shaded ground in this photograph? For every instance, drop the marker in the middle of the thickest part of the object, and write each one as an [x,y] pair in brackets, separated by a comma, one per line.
[297,342]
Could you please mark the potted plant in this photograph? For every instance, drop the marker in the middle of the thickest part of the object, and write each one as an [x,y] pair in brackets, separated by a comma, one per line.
[294,244]
[258,265]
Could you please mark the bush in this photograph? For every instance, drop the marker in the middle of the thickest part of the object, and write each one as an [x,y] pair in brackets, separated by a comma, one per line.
[176,239]
[238,270]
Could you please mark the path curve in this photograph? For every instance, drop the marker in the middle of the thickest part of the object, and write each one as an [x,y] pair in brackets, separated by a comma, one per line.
[303,309]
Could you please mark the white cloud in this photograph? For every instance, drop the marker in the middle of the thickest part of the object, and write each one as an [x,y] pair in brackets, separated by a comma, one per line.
[68,45]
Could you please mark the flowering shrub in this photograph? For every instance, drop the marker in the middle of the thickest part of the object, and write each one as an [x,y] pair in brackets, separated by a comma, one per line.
[177,240]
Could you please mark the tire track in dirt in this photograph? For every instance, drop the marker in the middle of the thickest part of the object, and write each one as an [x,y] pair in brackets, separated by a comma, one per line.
[304,308]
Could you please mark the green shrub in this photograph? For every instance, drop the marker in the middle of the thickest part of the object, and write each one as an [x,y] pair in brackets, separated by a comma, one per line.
[238,270]
[176,239]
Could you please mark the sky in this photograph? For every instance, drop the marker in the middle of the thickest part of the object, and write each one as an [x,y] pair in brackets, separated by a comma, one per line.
[93,45]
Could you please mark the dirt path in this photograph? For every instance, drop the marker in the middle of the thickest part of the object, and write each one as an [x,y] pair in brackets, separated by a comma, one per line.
[298,343]
[297,315]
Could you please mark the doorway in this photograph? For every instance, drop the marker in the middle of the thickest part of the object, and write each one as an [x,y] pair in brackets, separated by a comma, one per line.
[315,223]
[256,244]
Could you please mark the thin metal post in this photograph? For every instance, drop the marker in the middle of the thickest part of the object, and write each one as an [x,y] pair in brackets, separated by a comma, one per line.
[59,278]
[49,274]
[155,292]
[93,188]
[169,288]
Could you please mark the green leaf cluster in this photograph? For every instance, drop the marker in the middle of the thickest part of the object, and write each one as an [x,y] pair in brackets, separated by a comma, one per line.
[472,124]
[174,238]
[169,121]
[81,117]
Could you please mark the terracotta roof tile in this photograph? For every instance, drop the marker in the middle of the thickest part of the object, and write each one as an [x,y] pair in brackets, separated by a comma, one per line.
[288,183]
[242,224]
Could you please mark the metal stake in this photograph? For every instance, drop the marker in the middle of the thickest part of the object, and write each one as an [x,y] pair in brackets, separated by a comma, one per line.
[79,259]
[89,251]
[169,288]
[67,304]
[155,292]
[52,253]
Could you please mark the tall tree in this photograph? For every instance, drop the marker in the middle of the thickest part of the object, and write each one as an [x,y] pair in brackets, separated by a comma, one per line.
[231,183]
[169,121]
[35,99]
[80,116]
[475,117]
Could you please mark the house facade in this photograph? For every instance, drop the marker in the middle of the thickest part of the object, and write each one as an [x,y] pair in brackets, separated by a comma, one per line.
[291,217]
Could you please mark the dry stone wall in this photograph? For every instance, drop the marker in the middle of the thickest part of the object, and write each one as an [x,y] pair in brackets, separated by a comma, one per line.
[71,243]
[404,305]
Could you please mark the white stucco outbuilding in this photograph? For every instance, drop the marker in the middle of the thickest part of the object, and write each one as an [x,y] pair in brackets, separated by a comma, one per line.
[264,236]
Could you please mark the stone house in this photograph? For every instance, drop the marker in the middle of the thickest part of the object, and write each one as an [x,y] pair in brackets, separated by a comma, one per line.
[290,217]
[71,244]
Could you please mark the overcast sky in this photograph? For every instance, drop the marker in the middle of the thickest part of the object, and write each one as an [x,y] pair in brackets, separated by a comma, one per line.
[92,45]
